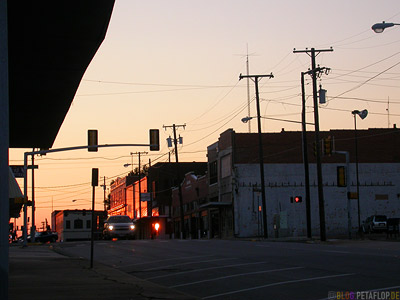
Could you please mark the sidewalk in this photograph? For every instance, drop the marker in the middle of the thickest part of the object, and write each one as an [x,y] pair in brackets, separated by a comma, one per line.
[37,272]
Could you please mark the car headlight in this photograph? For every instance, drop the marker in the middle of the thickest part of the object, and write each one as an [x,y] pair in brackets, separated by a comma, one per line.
[110,227]
[132,227]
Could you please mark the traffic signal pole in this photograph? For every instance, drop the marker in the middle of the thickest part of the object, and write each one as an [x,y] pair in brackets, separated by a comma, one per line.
[44,152]
[95,182]
[140,190]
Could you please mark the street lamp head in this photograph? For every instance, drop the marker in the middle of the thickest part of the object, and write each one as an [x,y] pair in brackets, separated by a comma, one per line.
[246,119]
[380,27]
[126,165]
[363,114]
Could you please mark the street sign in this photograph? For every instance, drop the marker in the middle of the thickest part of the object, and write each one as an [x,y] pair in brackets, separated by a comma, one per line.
[18,171]
[144,197]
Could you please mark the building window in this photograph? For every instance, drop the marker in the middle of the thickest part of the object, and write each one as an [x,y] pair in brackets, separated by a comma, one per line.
[78,224]
[88,224]
[213,172]
[68,224]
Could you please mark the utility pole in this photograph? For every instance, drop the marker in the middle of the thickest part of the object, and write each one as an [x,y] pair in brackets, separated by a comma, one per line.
[317,138]
[305,157]
[140,177]
[178,176]
[260,148]
[104,192]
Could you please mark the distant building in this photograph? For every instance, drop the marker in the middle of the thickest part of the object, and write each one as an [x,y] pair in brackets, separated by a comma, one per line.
[75,225]
[118,195]
[194,195]
[234,191]
[163,176]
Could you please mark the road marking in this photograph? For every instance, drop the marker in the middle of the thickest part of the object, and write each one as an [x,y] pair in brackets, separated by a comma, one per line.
[188,263]
[206,269]
[236,275]
[168,259]
[375,290]
[275,284]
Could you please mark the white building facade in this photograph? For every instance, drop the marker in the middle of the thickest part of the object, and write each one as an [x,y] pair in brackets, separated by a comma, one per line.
[238,184]
[379,195]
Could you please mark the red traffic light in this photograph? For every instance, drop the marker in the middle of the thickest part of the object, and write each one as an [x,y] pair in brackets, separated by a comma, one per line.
[298,199]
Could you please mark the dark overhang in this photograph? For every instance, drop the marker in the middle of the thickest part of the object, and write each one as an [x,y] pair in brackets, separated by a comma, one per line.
[51,43]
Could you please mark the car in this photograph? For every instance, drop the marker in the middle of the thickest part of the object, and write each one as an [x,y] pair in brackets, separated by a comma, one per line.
[375,223]
[42,237]
[119,227]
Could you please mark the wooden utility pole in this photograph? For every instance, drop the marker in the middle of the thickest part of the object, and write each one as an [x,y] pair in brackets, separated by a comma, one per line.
[140,177]
[314,71]
[178,176]
[260,149]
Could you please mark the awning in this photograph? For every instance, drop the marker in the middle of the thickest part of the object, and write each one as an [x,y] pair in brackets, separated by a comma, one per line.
[215,204]
[50,45]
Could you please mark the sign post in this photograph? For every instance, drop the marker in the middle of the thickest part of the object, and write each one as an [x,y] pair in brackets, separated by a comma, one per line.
[95,182]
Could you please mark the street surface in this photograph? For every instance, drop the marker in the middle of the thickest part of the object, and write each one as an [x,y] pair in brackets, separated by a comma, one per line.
[233,269]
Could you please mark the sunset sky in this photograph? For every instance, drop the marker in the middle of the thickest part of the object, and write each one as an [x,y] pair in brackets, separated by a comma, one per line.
[166,62]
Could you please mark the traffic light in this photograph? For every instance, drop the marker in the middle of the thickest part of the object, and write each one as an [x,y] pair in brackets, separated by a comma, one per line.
[328,143]
[95,177]
[92,140]
[155,229]
[154,140]
[341,176]
[296,199]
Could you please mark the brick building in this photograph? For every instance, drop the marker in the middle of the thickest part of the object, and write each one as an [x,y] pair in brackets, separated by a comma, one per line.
[194,194]
[162,177]
[118,195]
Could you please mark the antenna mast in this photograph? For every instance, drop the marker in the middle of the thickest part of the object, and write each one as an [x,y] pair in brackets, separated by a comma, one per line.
[388,114]
[248,88]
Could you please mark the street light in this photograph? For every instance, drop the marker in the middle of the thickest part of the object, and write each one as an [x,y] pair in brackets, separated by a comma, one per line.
[362,114]
[246,119]
[380,27]
[131,164]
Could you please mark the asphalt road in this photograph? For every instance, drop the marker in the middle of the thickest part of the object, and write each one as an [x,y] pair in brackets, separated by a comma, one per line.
[232,269]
